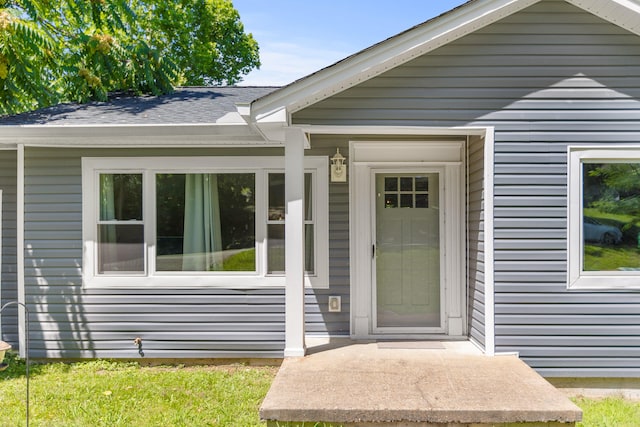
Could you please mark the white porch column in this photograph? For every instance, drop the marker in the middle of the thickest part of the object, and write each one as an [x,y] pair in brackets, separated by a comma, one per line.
[294,243]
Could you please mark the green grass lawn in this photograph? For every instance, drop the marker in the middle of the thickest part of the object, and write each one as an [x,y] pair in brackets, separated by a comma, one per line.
[609,412]
[611,258]
[106,393]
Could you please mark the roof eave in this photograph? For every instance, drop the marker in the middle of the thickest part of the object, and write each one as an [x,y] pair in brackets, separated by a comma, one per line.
[623,13]
[418,41]
[386,55]
[131,135]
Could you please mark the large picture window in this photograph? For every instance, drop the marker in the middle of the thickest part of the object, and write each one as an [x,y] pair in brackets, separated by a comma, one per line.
[604,217]
[205,222]
[197,221]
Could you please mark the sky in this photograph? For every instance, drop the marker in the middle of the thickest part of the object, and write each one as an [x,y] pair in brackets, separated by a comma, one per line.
[300,37]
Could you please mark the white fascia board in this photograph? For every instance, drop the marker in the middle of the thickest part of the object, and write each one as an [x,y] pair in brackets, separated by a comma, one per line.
[391,130]
[244,109]
[271,125]
[133,135]
[623,13]
[387,55]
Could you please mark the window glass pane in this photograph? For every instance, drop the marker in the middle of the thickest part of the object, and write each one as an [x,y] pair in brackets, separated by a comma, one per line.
[275,248]
[276,252]
[406,200]
[611,216]
[406,183]
[309,254]
[308,197]
[205,222]
[422,183]
[275,232]
[391,183]
[390,200]
[120,197]
[120,248]
[276,197]
[422,200]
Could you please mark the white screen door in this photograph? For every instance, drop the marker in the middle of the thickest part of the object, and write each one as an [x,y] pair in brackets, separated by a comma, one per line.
[407,257]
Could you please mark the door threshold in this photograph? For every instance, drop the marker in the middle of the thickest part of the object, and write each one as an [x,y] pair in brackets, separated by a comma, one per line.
[412,337]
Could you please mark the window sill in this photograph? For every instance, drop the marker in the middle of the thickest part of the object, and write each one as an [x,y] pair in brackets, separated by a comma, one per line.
[195,282]
[605,282]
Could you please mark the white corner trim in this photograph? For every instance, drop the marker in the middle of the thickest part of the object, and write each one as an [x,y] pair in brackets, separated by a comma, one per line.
[489,285]
[20,247]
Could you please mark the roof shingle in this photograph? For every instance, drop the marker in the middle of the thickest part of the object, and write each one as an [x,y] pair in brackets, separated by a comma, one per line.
[187,105]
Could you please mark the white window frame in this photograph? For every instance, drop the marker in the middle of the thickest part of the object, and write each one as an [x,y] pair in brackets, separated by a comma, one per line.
[577,278]
[149,166]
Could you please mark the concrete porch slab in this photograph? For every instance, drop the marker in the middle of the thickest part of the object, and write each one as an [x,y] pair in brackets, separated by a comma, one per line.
[363,384]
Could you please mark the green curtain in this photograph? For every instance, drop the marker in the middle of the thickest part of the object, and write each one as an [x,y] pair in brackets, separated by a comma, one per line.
[202,246]
[107,246]
[107,205]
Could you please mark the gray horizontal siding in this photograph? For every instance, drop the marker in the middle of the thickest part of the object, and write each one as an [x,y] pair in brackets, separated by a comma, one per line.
[75,322]
[475,241]
[546,77]
[319,321]
[70,321]
[8,278]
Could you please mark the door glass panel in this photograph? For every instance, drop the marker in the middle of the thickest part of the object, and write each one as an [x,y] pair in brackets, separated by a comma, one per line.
[407,260]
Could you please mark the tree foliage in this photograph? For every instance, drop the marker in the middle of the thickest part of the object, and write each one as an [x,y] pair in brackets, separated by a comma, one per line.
[613,187]
[78,50]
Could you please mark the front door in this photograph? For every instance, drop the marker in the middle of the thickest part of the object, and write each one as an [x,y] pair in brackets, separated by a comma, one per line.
[407,239]
[407,259]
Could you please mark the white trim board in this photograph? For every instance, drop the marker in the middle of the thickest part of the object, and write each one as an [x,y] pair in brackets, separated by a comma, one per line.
[20,248]
[489,244]
[577,277]
[147,166]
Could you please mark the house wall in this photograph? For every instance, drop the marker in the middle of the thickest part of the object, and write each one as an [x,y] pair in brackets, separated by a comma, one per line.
[8,282]
[70,321]
[546,77]
[475,241]
[319,321]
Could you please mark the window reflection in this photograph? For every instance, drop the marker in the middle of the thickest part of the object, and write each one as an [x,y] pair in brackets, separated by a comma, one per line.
[611,216]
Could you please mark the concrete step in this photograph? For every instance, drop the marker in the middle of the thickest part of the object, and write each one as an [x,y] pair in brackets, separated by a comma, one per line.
[366,385]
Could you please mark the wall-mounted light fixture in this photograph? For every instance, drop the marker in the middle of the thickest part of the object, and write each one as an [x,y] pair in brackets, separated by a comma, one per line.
[338,167]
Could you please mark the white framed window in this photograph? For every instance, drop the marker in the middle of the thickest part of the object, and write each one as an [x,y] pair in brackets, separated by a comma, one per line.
[604,217]
[197,221]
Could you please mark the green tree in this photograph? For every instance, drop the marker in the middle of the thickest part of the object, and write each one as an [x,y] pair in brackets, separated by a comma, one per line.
[78,50]
[613,187]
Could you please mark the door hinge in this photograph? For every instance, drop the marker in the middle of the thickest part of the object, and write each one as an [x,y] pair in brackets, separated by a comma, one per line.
[373,251]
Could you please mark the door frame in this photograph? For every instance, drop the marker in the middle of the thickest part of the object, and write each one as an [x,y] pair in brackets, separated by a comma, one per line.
[369,157]
[374,170]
